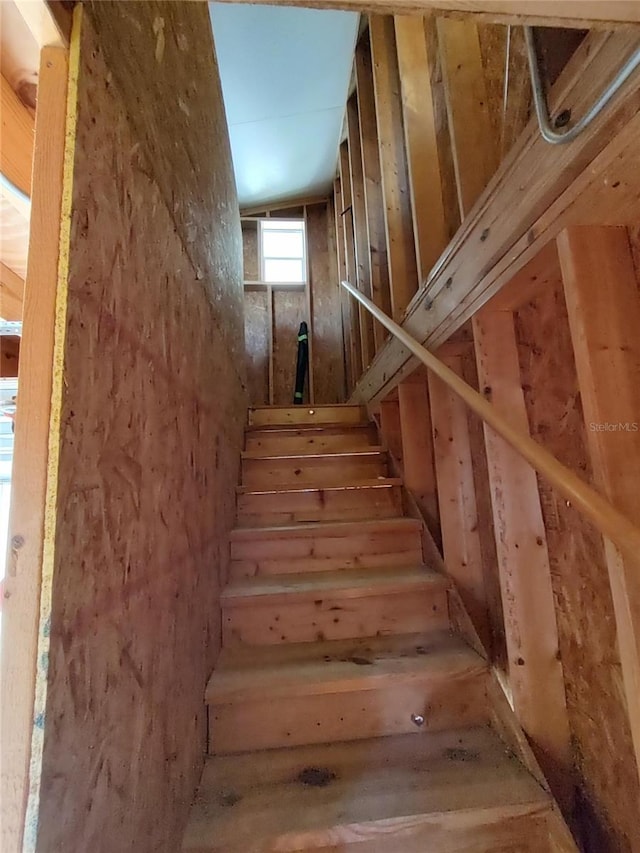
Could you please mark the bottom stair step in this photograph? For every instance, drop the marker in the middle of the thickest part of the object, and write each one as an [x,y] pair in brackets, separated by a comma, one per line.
[448,792]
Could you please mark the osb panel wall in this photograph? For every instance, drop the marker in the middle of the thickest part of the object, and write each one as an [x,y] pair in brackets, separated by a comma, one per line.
[153,412]
[256,335]
[607,785]
[328,343]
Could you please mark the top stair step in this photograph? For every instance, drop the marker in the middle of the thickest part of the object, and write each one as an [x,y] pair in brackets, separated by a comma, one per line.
[286,415]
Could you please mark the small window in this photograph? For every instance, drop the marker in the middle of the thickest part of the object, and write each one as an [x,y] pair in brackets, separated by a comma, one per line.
[282,251]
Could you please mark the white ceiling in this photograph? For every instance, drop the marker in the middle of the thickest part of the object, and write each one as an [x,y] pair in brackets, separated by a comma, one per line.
[285,77]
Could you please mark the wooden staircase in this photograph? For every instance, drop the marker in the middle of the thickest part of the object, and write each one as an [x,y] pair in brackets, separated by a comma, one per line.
[345,710]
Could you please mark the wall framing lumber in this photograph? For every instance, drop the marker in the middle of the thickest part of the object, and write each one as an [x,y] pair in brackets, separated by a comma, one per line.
[457,498]
[417,448]
[345,301]
[11,294]
[603,304]
[467,97]
[346,214]
[535,669]
[360,230]
[31,451]
[536,192]
[401,250]
[427,142]
[605,14]
[379,263]
[16,152]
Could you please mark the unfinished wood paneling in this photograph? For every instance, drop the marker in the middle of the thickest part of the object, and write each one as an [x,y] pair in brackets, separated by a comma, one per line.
[289,310]
[21,593]
[535,669]
[257,332]
[326,320]
[152,412]
[372,184]
[606,782]
[401,250]
[603,303]
[433,187]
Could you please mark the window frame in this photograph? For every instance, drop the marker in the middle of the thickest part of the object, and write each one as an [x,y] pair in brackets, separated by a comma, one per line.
[263,225]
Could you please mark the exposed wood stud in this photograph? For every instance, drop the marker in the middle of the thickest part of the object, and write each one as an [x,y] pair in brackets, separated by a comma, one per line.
[381,294]
[362,278]
[16,155]
[535,669]
[401,251]
[350,262]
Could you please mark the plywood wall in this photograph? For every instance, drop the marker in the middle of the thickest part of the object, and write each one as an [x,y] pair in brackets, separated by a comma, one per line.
[279,313]
[606,781]
[152,416]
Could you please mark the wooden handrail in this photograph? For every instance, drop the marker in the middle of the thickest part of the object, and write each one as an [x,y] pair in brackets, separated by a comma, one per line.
[608,520]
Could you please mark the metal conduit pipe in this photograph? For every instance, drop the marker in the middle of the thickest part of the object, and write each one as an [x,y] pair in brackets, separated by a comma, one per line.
[560,137]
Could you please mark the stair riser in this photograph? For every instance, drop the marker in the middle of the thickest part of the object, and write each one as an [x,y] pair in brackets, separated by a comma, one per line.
[317,553]
[319,505]
[322,471]
[334,617]
[254,568]
[445,702]
[290,444]
[307,415]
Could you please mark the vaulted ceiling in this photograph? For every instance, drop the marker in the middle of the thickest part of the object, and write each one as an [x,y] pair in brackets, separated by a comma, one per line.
[285,77]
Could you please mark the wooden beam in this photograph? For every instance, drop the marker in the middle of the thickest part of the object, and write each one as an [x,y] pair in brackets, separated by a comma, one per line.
[603,303]
[11,294]
[605,14]
[379,264]
[31,453]
[417,448]
[346,213]
[360,230]
[299,201]
[401,252]
[342,274]
[537,191]
[16,151]
[427,140]
[457,499]
[535,669]
[474,147]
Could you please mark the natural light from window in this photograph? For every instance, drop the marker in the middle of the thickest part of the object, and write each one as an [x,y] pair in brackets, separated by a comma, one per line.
[282,251]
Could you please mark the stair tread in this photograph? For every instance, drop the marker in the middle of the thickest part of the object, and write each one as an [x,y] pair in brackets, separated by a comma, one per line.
[337,665]
[348,583]
[308,427]
[325,528]
[335,455]
[372,788]
[377,483]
